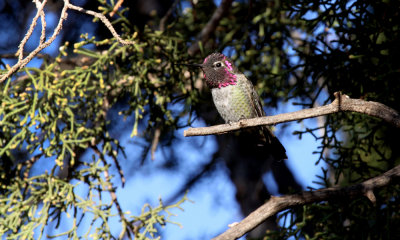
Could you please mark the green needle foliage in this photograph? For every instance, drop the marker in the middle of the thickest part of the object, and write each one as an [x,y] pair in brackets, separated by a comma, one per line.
[54,113]
[60,115]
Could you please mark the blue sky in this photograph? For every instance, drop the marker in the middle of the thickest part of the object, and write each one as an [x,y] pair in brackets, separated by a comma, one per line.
[213,206]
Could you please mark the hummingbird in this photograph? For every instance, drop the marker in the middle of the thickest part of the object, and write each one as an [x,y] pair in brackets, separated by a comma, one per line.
[235,98]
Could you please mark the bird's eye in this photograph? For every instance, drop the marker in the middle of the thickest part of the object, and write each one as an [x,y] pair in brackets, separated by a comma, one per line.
[218,64]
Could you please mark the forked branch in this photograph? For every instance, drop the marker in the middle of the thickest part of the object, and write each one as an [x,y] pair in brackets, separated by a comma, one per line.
[43,44]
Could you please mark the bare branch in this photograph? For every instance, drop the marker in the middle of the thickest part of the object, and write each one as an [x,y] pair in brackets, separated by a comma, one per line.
[43,44]
[277,204]
[342,103]
[210,27]
[28,34]
[104,20]
[22,62]
[43,21]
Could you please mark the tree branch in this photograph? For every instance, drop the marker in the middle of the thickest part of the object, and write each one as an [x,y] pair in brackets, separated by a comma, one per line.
[106,22]
[210,26]
[164,19]
[23,61]
[113,195]
[342,103]
[28,34]
[277,204]
[44,44]
[116,7]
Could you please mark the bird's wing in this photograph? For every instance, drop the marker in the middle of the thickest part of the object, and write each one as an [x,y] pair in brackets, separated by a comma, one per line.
[253,98]
[272,141]
[257,103]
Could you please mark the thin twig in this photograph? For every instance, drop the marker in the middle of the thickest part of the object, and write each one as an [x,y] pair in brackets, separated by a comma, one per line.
[21,63]
[111,190]
[277,204]
[120,172]
[155,141]
[43,44]
[28,34]
[342,103]
[43,21]
[104,20]
[116,7]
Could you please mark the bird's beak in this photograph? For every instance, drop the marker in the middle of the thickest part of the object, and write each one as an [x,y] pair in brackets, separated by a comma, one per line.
[190,65]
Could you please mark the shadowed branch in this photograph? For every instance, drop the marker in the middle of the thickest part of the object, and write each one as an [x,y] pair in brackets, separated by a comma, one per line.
[277,204]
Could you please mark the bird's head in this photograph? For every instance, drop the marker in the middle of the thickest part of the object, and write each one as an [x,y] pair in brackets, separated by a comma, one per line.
[219,71]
